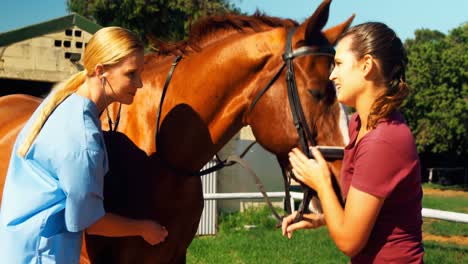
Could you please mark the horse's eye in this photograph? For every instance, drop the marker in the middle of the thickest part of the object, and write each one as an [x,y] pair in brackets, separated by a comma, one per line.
[315,93]
[332,66]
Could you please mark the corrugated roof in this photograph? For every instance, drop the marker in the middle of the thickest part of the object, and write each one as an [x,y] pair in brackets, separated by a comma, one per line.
[50,26]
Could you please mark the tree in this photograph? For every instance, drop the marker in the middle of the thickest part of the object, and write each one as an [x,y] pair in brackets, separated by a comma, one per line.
[164,19]
[437,108]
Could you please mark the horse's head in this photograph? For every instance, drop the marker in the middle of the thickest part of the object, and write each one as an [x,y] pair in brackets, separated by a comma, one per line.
[271,116]
[227,61]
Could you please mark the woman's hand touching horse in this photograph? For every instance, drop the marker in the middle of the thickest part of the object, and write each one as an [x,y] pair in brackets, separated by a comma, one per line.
[315,173]
[112,225]
[152,232]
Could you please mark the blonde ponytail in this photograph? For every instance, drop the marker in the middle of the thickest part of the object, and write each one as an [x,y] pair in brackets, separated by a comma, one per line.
[59,93]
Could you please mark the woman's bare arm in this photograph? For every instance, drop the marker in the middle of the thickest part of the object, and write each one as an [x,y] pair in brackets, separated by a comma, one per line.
[112,225]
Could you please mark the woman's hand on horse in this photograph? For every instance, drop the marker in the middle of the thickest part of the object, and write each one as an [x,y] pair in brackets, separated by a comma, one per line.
[152,232]
[309,221]
[315,173]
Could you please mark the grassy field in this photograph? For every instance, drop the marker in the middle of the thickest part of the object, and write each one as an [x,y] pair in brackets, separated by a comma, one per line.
[263,243]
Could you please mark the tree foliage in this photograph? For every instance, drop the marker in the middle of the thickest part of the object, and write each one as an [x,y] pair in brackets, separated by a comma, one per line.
[437,108]
[164,19]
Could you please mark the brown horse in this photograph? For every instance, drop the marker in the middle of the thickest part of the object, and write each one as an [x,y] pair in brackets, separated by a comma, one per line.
[226,62]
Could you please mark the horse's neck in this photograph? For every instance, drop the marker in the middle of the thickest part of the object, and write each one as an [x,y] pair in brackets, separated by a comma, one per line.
[204,103]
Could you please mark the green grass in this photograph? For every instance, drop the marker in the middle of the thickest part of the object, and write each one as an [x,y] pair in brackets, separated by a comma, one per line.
[262,246]
[454,203]
[264,243]
[444,253]
[444,228]
[458,203]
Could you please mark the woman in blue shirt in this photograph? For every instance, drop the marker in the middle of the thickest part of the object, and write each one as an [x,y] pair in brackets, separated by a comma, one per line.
[54,184]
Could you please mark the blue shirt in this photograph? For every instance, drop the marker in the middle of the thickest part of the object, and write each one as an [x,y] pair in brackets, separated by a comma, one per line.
[56,190]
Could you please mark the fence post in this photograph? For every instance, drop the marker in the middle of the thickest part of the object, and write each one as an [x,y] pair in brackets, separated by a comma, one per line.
[430,174]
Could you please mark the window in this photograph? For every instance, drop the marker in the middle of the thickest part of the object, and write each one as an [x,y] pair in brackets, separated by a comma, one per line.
[79,45]
[77,33]
[57,43]
[74,57]
[67,43]
[68,32]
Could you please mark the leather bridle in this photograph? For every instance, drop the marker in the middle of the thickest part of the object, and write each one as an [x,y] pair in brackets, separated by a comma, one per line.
[300,123]
[305,134]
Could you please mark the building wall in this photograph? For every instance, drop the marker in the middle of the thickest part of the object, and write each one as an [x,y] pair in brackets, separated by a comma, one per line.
[51,58]
[235,178]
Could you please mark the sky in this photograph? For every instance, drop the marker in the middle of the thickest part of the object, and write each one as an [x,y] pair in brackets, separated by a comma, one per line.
[404,16]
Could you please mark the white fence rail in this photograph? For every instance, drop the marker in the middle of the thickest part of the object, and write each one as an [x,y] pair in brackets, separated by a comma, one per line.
[250,195]
[445,215]
[209,219]
[426,212]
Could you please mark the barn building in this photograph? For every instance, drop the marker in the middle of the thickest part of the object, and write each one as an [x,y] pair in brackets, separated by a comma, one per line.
[35,57]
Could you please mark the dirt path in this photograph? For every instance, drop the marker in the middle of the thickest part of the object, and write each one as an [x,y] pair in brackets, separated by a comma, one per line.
[445,193]
[459,240]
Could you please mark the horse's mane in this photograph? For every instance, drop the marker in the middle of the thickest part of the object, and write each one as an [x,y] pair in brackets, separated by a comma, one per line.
[216,28]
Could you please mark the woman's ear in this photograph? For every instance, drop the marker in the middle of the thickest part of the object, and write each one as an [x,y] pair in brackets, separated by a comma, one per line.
[99,70]
[368,65]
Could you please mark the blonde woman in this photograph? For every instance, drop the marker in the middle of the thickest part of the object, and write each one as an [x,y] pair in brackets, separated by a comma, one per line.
[54,185]
[380,177]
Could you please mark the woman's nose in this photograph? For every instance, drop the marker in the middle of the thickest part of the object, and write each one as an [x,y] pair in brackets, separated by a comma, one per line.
[333,75]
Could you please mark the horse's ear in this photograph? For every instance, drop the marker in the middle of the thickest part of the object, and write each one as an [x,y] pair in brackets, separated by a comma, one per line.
[332,34]
[312,27]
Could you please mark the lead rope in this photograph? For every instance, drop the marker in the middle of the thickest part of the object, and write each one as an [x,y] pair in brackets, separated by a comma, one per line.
[259,185]
[233,159]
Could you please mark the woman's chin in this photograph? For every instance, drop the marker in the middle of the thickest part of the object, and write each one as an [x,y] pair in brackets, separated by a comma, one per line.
[342,100]
[339,98]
